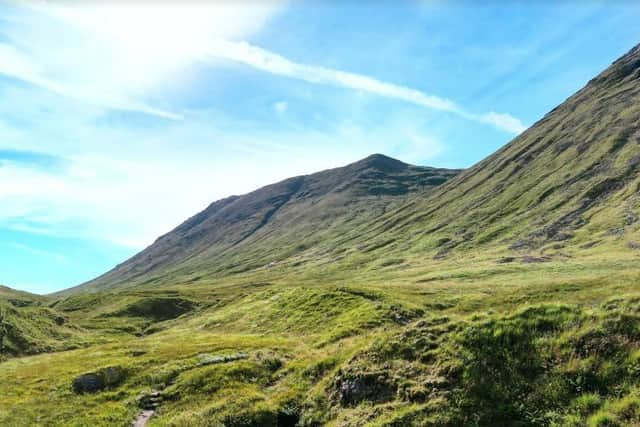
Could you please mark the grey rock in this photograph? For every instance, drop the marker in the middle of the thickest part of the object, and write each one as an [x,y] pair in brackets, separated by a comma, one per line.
[374,387]
[93,382]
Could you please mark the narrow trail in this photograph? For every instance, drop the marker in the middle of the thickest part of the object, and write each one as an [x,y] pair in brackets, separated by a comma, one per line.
[143,418]
[149,404]
[150,401]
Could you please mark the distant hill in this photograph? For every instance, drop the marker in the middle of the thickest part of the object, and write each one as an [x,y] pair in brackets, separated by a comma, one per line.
[273,223]
[28,325]
[10,294]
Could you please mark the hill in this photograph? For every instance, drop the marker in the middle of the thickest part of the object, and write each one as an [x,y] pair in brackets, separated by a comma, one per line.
[29,325]
[276,222]
[18,297]
[565,187]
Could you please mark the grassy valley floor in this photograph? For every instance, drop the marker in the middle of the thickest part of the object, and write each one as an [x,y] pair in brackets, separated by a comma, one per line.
[456,343]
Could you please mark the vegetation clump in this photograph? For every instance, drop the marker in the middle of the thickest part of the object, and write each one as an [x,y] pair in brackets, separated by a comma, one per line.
[158,308]
[541,365]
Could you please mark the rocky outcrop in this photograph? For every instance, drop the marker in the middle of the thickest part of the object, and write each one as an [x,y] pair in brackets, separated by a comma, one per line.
[102,379]
[365,386]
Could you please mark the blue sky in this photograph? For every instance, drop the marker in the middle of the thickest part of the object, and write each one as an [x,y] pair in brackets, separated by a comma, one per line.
[120,121]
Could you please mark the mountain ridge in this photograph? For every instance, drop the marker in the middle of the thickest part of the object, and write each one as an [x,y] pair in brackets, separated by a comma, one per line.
[542,195]
[550,180]
[321,199]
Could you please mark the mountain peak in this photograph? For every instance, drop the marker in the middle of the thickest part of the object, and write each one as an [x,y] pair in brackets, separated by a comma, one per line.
[382,163]
[266,225]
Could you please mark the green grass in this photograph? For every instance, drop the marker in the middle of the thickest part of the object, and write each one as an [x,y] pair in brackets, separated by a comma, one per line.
[431,347]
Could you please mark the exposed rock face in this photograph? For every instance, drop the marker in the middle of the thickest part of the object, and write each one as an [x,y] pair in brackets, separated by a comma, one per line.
[94,382]
[370,386]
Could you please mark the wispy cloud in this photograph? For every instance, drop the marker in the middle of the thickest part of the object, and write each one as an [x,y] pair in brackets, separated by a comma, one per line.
[116,55]
[281,107]
[500,120]
[106,57]
[18,66]
[262,59]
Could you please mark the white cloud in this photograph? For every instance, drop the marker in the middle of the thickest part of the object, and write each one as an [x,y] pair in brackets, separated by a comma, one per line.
[18,66]
[503,121]
[117,54]
[273,63]
[253,56]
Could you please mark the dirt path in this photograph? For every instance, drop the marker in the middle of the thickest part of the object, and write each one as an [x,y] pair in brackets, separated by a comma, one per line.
[143,418]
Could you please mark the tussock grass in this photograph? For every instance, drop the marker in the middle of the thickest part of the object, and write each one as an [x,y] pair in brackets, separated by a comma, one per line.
[438,348]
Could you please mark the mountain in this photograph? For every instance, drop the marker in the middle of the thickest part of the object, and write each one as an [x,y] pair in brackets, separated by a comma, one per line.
[506,296]
[566,185]
[275,222]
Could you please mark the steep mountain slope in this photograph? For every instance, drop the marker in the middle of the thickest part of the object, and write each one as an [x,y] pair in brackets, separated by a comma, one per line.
[567,184]
[240,233]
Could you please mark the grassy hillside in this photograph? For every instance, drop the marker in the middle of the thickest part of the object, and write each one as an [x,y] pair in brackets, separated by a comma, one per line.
[566,186]
[29,325]
[507,296]
[276,222]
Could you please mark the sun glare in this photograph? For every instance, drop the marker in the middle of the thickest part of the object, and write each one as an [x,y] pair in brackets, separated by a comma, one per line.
[148,30]
[170,30]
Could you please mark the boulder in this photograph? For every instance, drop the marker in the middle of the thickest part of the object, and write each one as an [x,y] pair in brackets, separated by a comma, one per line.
[93,382]
[88,383]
